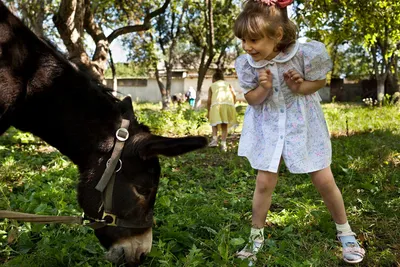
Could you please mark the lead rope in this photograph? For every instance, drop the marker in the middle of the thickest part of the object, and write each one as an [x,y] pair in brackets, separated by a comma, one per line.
[26,217]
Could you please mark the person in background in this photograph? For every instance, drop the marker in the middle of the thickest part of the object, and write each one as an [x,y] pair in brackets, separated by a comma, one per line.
[178,99]
[221,110]
[191,96]
[284,120]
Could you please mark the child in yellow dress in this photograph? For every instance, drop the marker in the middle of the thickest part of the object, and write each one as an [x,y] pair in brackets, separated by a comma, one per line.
[221,108]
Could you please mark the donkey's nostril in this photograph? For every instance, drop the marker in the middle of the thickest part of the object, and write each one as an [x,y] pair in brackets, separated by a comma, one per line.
[115,255]
[142,257]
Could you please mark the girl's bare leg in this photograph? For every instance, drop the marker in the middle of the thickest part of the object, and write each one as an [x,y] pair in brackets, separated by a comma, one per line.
[325,183]
[326,186]
[215,132]
[224,131]
[265,185]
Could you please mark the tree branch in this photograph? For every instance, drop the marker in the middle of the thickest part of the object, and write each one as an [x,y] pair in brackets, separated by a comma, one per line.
[141,27]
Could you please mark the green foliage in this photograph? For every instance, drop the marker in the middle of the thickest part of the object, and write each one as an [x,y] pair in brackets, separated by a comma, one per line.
[181,120]
[362,36]
[128,70]
[203,208]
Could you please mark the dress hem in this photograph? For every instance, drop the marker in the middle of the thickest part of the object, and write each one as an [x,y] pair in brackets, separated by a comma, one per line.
[276,171]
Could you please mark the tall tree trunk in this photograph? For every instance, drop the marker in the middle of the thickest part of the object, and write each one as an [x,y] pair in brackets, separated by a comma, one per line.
[98,64]
[380,75]
[114,75]
[167,99]
[380,79]
[207,49]
[69,22]
[168,50]
[396,74]
[163,91]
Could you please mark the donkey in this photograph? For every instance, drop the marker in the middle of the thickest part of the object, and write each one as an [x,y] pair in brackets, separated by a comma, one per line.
[43,93]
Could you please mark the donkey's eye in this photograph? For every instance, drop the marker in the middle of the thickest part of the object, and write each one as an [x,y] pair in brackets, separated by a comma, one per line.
[143,190]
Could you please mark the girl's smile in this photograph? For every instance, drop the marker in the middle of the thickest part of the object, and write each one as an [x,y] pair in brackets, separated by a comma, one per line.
[259,49]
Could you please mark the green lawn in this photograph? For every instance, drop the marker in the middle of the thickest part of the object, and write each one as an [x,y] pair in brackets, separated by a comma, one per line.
[203,208]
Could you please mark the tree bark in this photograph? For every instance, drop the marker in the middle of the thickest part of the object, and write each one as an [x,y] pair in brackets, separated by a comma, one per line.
[168,50]
[114,75]
[164,96]
[75,16]
[380,76]
[69,22]
[208,49]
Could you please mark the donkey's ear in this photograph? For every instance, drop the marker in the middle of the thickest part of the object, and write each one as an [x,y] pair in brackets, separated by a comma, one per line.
[126,105]
[158,145]
[127,108]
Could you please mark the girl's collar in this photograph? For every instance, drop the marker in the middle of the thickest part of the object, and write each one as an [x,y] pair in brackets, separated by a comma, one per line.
[280,58]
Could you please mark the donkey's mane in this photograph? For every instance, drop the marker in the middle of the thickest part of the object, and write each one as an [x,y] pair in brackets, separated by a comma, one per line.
[82,69]
[95,85]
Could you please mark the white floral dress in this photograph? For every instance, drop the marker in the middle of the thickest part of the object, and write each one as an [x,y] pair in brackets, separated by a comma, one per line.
[287,125]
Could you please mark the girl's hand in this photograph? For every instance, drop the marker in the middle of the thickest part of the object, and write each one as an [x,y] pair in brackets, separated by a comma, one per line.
[293,80]
[265,78]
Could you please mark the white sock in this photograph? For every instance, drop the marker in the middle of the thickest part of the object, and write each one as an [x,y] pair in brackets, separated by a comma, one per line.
[215,138]
[343,228]
[257,233]
[223,143]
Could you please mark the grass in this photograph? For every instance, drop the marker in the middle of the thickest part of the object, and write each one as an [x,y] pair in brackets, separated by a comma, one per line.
[203,207]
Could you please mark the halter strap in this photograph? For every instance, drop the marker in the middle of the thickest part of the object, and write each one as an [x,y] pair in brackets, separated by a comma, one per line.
[106,184]
[122,135]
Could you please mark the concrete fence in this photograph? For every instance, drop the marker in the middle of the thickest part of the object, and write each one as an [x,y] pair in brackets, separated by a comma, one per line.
[146,89]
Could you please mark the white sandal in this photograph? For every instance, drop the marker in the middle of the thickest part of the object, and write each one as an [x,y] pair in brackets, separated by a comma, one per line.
[352,252]
[250,253]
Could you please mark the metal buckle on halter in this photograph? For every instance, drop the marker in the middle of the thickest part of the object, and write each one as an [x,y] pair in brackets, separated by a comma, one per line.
[117,169]
[122,134]
[107,217]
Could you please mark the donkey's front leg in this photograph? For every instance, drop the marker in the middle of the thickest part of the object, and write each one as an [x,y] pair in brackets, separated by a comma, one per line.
[4,124]
[12,97]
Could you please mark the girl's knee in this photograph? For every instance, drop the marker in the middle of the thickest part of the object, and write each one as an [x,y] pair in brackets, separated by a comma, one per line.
[266,181]
[323,180]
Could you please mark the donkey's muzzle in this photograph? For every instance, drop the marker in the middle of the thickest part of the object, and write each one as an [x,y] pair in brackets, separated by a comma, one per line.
[131,250]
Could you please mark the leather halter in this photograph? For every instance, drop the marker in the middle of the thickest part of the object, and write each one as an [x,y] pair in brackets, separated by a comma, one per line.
[106,185]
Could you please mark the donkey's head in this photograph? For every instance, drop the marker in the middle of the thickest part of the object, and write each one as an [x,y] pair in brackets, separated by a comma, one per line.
[128,232]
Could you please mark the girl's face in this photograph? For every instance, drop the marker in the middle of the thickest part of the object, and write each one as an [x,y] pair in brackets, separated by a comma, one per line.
[260,49]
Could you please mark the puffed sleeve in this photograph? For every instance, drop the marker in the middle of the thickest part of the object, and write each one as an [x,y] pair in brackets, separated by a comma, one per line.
[247,75]
[317,62]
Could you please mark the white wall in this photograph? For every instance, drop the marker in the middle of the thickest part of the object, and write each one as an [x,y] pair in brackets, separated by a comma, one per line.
[151,93]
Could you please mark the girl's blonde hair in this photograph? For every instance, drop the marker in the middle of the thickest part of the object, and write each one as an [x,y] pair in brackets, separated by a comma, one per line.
[258,20]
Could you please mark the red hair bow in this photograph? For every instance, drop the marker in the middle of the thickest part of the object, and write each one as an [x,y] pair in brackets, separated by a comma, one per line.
[279,3]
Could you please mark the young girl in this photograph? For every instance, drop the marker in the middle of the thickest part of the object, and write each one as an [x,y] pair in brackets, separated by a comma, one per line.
[220,108]
[284,120]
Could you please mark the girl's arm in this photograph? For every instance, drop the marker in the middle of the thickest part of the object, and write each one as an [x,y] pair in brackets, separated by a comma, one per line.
[264,89]
[310,87]
[209,102]
[257,96]
[298,85]
[233,94]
